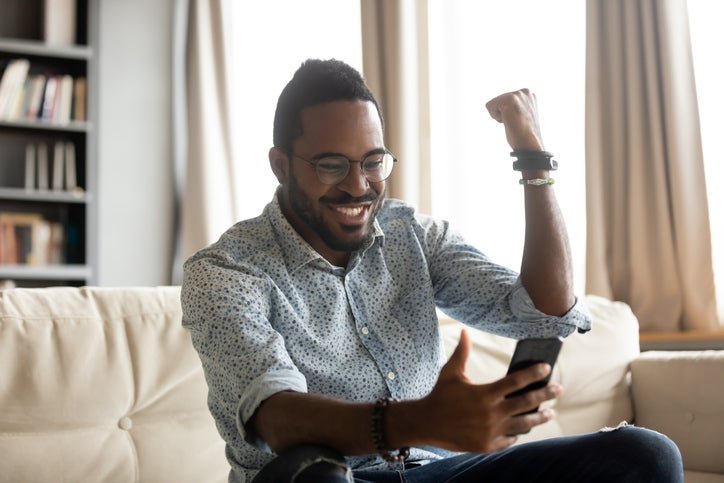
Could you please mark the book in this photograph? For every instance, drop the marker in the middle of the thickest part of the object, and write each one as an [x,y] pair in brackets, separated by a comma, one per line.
[35,98]
[56,244]
[61,115]
[59,22]
[30,166]
[42,150]
[70,177]
[16,105]
[42,166]
[9,247]
[48,109]
[22,247]
[58,166]
[80,88]
[11,84]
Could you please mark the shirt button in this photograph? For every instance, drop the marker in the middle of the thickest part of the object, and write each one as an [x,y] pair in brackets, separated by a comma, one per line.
[391,376]
[365,330]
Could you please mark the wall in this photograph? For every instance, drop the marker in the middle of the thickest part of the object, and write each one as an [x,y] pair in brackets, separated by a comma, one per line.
[135,151]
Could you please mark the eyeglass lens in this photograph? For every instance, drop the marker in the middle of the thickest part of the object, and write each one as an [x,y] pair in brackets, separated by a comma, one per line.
[333,169]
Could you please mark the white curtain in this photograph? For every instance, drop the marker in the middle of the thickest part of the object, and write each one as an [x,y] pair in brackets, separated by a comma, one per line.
[648,223]
[395,59]
[203,149]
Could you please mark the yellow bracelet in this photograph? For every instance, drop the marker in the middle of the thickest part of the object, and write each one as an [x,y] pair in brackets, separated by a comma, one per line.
[537,181]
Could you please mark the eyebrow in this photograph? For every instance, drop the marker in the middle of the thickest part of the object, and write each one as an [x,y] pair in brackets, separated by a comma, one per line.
[332,153]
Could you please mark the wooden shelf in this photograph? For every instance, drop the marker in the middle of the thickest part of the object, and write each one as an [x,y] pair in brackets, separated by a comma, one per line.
[687,340]
[38,48]
[46,272]
[20,194]
[73,126]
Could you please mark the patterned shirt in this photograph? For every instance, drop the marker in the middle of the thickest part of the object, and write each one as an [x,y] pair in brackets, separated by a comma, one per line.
[267,313]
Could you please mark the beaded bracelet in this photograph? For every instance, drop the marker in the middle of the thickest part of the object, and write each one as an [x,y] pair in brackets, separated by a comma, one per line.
[537,181]
[378,433]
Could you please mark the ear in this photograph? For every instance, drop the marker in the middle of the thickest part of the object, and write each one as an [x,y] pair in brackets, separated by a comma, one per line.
[279,163]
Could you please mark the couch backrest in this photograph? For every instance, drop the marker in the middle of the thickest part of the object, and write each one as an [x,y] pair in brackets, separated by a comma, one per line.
[102,384]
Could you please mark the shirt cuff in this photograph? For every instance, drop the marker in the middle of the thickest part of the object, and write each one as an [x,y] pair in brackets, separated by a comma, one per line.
[259,390]
[525,310]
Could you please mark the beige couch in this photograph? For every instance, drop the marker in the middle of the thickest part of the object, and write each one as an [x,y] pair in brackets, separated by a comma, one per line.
[102,385]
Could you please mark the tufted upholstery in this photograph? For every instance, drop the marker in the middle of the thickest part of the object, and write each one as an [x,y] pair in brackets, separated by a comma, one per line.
[103,385]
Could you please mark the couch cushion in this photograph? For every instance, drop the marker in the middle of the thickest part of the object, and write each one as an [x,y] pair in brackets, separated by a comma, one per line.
[592,368]
[681,394]
[102,384]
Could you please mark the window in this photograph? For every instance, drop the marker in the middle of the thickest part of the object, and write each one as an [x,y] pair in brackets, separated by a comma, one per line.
[269,41]
[477,51]
[707,37]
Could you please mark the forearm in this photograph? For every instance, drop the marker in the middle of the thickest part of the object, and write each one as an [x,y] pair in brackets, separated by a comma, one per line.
[546,270]
[289,419]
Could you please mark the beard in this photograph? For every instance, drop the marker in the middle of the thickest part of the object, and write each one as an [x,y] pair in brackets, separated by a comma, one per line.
[302,206]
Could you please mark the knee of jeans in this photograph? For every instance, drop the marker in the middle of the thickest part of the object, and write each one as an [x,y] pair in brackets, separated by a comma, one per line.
[324,472]
[655,450]
[319,464]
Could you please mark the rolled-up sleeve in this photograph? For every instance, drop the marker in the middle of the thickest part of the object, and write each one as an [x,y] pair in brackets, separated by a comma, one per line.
[524,309]
[226,308]
[473,289]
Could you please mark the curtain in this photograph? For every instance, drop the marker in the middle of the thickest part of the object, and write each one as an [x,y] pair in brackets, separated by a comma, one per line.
[204,167]
[395,65]
[648,232]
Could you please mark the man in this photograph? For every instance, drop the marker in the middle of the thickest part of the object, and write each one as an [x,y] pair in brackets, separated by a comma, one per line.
[316,325]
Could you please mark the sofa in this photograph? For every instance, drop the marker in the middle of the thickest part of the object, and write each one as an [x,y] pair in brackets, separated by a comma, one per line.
[103,385]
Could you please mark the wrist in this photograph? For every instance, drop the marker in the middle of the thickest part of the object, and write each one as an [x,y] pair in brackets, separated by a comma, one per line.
[535,173]
[404,424]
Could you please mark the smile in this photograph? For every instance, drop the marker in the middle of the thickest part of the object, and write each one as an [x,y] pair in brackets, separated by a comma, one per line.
[352,214]
[350,211]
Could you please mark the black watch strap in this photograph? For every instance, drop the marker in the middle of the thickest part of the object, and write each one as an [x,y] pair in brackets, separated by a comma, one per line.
[534,160]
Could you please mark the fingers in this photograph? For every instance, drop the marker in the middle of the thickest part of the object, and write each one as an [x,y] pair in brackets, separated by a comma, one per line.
[520,379]
[517,101]
[456,363]
[518,112]
[524,423]
[529,402]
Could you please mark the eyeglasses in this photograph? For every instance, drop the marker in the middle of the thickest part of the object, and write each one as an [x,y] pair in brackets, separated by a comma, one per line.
[333,169]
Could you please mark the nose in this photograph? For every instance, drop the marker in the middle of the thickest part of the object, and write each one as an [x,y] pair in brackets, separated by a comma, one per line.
[355,183]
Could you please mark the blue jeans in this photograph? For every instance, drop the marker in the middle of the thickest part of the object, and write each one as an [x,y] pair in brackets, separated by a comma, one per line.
[624,455]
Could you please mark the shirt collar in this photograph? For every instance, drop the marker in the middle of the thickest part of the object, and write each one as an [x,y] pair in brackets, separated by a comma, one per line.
[295,249]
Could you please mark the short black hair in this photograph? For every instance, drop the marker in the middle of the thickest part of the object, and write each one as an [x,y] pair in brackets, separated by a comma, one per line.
[316,82]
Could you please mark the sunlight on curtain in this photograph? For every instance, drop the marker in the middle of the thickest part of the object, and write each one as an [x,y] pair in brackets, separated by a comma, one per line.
[477,51]
[270,40]
[707,38]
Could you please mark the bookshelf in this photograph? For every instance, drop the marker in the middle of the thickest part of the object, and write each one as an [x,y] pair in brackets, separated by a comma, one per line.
[48,143]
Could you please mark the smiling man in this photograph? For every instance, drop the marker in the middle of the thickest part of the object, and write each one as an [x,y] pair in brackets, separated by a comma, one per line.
[317,329]
[332,211]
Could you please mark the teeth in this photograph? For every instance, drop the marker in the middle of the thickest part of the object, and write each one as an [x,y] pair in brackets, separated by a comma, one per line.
[350,211]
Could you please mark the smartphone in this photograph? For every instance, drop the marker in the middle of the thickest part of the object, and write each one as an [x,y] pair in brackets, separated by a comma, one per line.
[532,351]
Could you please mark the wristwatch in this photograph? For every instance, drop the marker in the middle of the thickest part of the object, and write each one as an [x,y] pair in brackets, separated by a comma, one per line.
[534,160]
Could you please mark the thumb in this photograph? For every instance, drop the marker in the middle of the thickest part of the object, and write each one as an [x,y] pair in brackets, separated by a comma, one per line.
[456,363]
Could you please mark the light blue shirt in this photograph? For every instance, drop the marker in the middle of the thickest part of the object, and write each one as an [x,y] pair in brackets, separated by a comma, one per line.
[267,314]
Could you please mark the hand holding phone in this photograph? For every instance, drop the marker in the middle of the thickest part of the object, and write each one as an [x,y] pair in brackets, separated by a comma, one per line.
[534,351]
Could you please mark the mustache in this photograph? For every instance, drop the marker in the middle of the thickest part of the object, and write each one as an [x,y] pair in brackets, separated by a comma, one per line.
[347,199]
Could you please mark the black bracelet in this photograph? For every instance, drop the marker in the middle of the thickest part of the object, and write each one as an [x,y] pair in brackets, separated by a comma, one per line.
[378,433]
[534,160]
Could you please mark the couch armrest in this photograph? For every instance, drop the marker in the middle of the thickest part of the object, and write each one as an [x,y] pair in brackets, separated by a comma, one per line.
[681,394]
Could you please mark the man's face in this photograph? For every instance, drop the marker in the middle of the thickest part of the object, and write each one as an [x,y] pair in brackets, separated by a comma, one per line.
[334,219]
